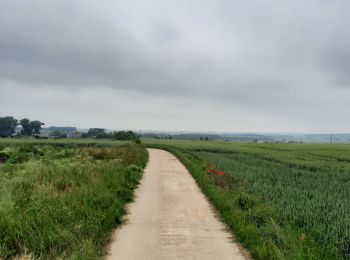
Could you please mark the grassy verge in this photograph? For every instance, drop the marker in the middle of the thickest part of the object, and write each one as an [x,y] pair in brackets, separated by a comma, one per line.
[63,200]
[259,224]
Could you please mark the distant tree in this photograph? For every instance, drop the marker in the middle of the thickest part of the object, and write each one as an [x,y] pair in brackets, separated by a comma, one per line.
[206,139]
[30,128]
[7,126]
[84,135]
[97,133]
[131,134]
[201,138]
[125,135]
[36,127]
[27,129]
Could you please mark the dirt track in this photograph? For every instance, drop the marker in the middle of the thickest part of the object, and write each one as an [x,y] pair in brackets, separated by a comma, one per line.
[171,218]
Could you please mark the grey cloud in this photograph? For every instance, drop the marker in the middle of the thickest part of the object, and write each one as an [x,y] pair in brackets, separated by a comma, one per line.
[337,61]
[262,55]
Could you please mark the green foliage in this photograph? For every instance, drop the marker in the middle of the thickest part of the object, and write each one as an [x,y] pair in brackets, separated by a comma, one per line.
[63,142]
[30,128]
[282,201]
[62,200]
[7,126]
[98,133]
[26,127]
[36,126]
[125,135]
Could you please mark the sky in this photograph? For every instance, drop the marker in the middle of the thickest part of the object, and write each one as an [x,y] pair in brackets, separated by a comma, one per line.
[185,65]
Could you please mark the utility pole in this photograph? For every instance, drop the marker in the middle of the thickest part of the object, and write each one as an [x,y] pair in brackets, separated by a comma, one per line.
[331,137]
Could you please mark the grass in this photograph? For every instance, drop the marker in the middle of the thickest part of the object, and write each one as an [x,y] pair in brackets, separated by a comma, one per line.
[80,141]
[60,200]
[282,201]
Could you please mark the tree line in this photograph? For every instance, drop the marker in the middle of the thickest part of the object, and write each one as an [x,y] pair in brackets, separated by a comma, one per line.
[8,125]
[101,133]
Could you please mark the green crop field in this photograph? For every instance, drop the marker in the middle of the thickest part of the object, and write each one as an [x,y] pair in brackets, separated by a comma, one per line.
[61,199]
[283,201]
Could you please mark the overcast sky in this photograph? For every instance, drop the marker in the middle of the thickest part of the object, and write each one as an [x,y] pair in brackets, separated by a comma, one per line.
[224,65]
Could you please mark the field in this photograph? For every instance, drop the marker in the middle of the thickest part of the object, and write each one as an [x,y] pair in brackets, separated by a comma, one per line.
[283,201]
[61,199]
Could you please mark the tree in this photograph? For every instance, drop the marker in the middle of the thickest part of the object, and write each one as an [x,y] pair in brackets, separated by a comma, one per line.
[7,126]
[30,128]
[36,127]
[97,133]
[27,129]
[123,135]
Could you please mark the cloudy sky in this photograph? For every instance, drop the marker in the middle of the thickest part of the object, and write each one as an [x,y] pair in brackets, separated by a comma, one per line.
[224,65]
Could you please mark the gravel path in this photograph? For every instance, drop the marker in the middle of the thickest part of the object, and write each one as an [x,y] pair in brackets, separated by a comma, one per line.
[171,218]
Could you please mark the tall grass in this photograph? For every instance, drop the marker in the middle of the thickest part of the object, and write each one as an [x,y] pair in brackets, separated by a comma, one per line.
[62,202]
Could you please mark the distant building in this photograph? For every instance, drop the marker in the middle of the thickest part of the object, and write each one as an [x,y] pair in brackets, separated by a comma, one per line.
[62,129]
[59,132]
